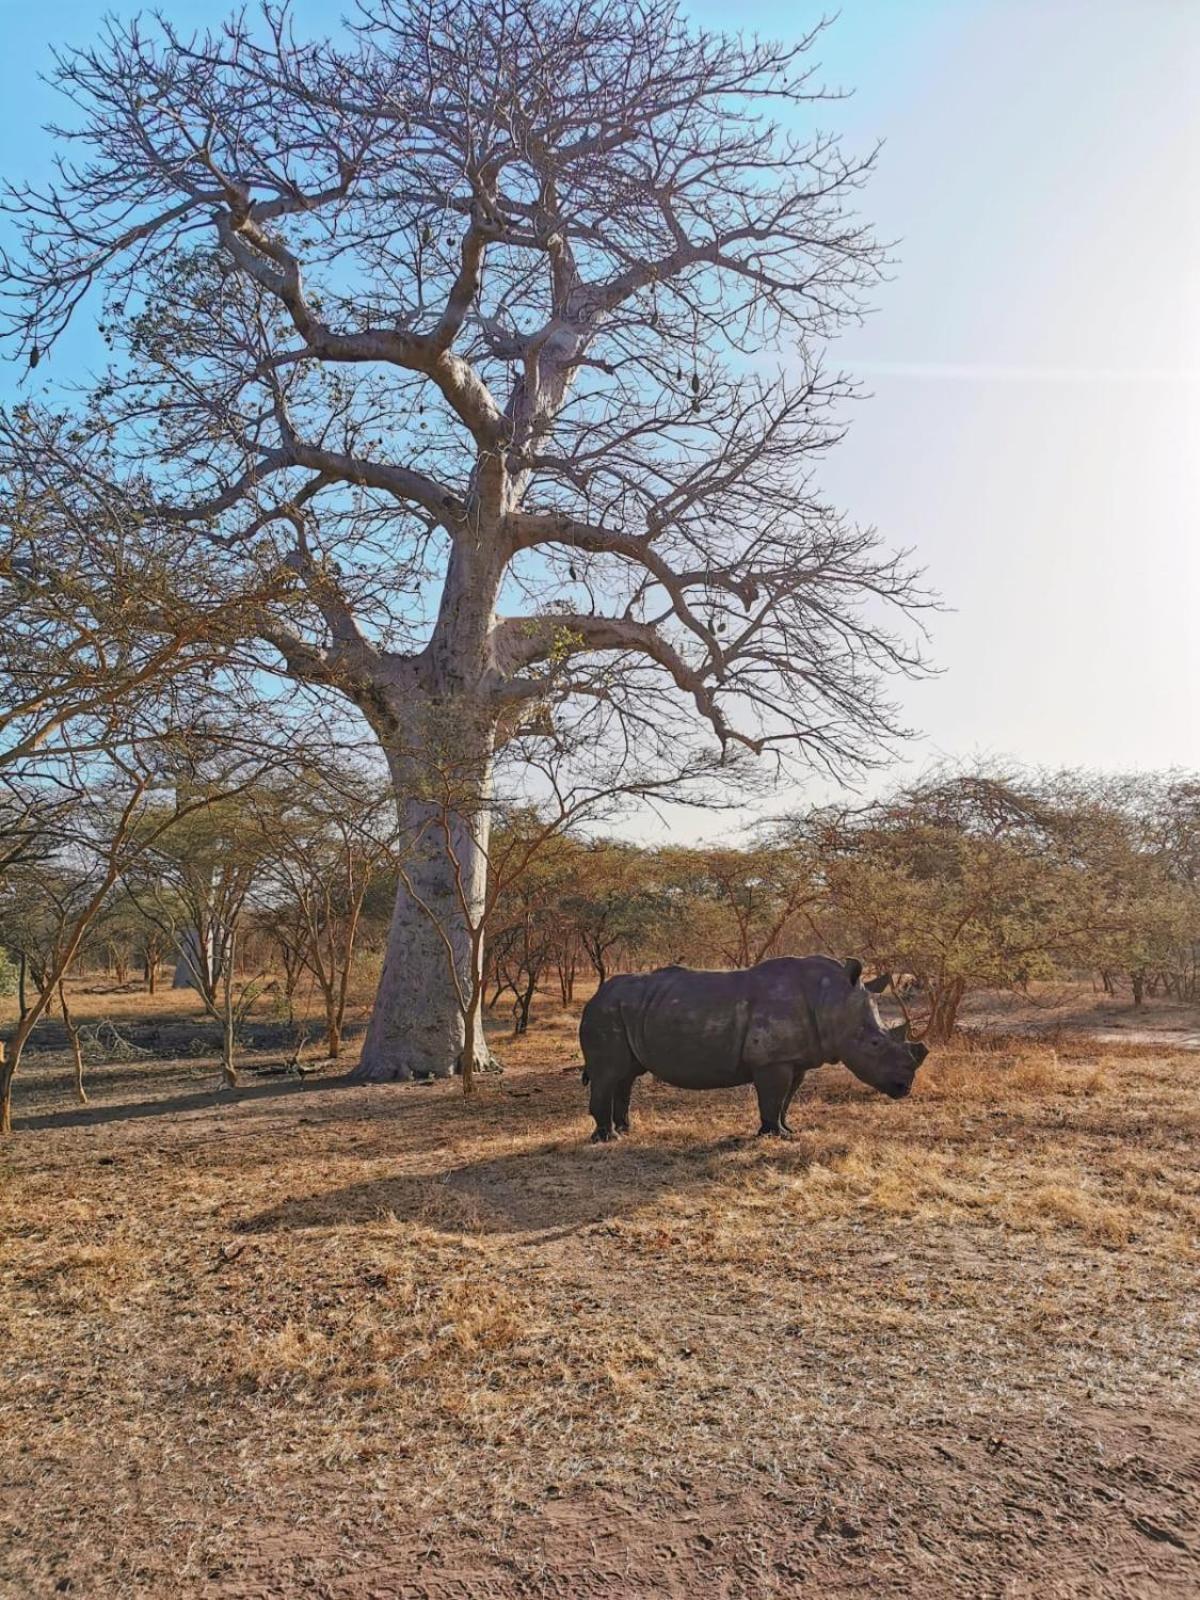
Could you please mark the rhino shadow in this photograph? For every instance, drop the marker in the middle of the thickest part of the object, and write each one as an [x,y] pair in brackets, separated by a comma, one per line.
[555,1188]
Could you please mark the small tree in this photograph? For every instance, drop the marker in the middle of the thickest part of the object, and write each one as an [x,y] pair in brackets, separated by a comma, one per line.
[529,926]
[331,841]
[45,904]
[204,853]
[614,909]
[103,619]
[746,901]
[960,882]
[1137,840]
[105,834]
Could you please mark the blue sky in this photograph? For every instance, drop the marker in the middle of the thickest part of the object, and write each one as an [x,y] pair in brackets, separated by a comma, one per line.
[1034,363]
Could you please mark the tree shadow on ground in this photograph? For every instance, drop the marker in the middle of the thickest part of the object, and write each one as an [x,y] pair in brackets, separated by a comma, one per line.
[166,1105]
[556,1187]
[182,1036]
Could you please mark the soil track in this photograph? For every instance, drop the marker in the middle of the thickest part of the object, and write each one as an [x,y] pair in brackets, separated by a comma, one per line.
[355,1342]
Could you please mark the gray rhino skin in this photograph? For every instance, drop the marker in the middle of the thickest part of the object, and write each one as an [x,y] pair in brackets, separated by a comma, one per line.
[767,1025]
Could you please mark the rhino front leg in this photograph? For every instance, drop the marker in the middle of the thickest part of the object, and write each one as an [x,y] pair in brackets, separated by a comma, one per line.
[774,1086]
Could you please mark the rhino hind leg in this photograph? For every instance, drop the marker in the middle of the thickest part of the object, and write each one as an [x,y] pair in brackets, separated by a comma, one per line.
[774,1087]
[609,1070]
[621,1095]
[797,1078]
[601,1105]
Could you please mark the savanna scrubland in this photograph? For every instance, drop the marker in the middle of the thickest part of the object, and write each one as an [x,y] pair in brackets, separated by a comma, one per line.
[302,1335]
[448,489]
[308,1336]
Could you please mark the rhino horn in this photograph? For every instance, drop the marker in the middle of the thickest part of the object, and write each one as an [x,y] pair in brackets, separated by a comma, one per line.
[900,1031]
[879,984]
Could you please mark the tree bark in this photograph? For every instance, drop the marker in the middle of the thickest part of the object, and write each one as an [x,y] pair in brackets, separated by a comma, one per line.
[943,1016]
[76,1048]
[190,962]
[8,1068]
[430,994]
[566,978]
[524,1002]
[229,1073]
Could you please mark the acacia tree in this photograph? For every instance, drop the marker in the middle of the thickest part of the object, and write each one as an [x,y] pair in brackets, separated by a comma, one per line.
[104,622]
[79,899]
[1135,838]
[757,893]
[469,310]
[331,843]
[99,832]
[962,881]
[615,904]
[43,905]
[208,849]
[528,926]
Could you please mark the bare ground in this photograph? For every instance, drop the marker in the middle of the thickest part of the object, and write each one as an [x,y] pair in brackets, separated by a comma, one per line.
[1048,1009]
[348,1342]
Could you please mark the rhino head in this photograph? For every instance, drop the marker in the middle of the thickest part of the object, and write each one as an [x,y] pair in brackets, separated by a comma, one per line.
[884,1058]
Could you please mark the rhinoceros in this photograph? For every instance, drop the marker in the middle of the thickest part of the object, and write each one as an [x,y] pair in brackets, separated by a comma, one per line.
[767,1025]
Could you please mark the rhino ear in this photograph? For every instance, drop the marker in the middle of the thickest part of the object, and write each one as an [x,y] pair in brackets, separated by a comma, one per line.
[879,984]
[853,970]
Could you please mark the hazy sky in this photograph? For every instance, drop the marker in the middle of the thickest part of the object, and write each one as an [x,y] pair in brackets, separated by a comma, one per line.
[1034,363]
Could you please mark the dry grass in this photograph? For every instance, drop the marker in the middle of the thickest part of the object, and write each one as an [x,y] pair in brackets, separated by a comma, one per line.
[293,1340]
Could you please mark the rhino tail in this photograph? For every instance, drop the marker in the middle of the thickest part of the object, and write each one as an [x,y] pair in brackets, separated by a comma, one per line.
[583,1076]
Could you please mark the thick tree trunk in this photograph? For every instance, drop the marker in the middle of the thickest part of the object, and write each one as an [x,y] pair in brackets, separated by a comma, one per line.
[430,995]
[190,963]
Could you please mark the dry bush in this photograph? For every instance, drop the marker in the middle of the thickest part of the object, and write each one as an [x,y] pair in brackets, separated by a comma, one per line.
[999,1071]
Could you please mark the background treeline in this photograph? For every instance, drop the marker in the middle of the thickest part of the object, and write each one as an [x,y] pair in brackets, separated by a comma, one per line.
[276,892]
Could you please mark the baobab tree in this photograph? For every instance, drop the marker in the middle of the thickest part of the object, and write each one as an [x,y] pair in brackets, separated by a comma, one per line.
[496,325]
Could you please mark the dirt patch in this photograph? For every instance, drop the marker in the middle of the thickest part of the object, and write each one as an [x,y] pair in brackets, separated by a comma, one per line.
[317,1340]
[1102,1505]
[1049,1009]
